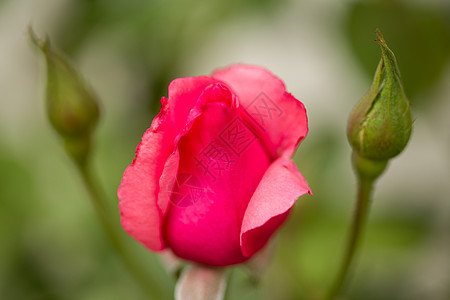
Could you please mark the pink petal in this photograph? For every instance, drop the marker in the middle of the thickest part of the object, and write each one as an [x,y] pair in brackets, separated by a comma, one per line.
[277,192]
[278,118]
[140,215]
[183,96]
[142,200]
[216,179]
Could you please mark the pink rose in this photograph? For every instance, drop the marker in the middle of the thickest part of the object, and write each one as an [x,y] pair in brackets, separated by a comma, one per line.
[212,179]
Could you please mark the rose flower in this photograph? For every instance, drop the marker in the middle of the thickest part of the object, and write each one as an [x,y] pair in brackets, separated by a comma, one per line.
[212,179]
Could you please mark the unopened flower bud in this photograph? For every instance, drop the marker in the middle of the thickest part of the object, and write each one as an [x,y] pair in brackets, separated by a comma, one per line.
[380,125]
[71,106]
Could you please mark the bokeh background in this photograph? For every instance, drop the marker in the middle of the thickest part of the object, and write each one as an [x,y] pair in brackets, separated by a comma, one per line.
[51,243]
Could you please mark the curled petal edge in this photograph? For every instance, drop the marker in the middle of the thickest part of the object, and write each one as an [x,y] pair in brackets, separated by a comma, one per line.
[280,187]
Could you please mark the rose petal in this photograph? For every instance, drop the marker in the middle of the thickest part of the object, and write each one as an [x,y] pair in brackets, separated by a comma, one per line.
[142,210]
[278,118]
[140,215]
[216,179]
[166,181]
[183,96]
[278,190]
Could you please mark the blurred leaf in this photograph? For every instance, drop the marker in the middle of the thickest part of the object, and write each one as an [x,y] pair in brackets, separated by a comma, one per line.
[153,35]
[380,288]
[396,231]
[419,35]
[19,276]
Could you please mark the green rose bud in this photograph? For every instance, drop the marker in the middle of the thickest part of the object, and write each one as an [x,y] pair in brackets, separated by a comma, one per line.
[380,125]
[71,106]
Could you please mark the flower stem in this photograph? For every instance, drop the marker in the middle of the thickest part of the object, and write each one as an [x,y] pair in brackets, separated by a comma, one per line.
[151,289]
[356,230]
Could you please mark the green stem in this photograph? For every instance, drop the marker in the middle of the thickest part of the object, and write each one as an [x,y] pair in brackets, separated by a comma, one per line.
[357,228]
[152,290]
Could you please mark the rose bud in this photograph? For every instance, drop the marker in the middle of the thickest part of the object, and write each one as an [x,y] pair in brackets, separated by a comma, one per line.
[380,125]
[71,106]
[212,179]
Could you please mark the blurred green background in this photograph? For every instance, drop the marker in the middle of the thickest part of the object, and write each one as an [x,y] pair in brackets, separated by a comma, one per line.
[52,245]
